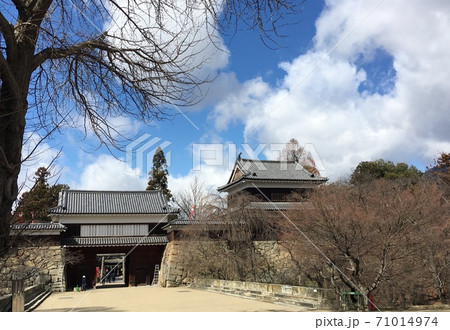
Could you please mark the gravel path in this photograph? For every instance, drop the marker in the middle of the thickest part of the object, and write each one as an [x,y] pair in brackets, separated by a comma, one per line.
[155,299]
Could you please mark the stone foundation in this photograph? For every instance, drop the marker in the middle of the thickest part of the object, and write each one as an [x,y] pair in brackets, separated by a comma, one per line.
[172,272]
[42,265]
[184,260]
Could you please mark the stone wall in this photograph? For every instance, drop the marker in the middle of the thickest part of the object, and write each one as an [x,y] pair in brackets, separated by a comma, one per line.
[172,271]
[182,261]
[275,262]
[39,265]
[312,298]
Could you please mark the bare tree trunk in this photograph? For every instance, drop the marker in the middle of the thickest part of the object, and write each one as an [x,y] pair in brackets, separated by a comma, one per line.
[437,282]
[13,108]
[15,73]
[12,119]
[403,300]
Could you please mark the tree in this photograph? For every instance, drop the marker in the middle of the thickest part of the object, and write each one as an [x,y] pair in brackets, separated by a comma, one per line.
[443,160]
[197,203]
[362,237]
[66,63]
[33,205]
[227,248]
[158,174]
[435,253]
[371,170]
[441,167]
[294,152]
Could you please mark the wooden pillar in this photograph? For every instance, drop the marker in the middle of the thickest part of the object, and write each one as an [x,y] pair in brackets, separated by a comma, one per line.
[123,270]
[101,270]
[18,295]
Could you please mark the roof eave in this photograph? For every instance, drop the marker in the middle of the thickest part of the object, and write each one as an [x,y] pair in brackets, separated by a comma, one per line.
[229,185]
[118,214]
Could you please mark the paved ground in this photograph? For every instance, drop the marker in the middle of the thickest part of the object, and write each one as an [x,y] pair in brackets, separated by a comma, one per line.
[155,299]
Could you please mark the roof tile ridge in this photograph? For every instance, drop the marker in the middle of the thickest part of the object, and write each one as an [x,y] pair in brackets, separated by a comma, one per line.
[111,191]
[268,160]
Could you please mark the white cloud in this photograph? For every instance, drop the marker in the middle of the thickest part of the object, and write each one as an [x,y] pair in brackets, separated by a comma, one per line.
[211,164]
[118,128]
[319,101]
[240,105]
[109,173]
[36,154]
[212,177]
[181,36]
[224,84]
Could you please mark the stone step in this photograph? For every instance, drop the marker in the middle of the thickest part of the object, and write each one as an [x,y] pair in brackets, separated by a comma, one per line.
[57,288]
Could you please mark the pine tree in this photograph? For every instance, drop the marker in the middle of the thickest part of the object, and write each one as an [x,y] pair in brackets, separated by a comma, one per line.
[441,170]
[368,171]
[158,174]
[442,167]
[34,204]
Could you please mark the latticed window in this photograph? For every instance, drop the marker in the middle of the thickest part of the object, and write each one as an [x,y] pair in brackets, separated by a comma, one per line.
[113,230]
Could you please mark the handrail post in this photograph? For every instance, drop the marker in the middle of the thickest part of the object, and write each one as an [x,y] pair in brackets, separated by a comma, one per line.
[18,294]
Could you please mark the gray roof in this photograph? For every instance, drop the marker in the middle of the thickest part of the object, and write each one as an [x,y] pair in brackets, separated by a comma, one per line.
[271,170]
[45,226]
[279,206]
[111,202]
[186,222]
[114,241]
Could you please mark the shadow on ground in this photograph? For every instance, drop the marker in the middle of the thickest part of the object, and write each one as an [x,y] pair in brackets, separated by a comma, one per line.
[110,286]
[81,309]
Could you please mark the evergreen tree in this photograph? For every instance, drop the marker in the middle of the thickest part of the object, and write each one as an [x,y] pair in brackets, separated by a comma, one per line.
[441,171]
[158,174]
[372,170]
[34,204]
[442,167]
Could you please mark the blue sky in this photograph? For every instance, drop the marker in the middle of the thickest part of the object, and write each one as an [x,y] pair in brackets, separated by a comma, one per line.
[353,81]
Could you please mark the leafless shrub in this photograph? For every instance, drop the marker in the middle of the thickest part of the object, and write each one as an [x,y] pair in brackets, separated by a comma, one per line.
[373,237]
[225,247]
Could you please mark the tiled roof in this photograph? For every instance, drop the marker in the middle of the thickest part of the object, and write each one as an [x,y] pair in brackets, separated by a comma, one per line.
[111,202]
[278,206]
[270,170]
[186,222]
[39,226]
[114,241]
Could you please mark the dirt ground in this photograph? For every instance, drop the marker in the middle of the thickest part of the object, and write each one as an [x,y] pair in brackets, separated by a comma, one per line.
[155,299]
